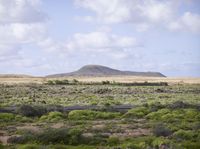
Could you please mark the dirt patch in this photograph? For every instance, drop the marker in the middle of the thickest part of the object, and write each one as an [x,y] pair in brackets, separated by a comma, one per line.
[29,127]
[58,125]
[98,127]
[133,133]
[4,137]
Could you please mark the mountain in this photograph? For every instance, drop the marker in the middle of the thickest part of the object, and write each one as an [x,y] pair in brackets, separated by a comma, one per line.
[98,70]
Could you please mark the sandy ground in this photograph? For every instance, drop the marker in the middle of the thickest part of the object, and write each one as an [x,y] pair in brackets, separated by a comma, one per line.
[128,79]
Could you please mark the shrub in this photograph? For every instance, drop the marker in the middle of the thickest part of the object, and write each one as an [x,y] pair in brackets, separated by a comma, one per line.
[28,136]
[96,139]
[192,114]
[61,82]
[132,146]
[105,82]
[31,111]
[161,130]
[57,82]
[50,82]
[22,119]
[30,146]
[54,136]
[75,136]
[74,81]
[138,112]
[157,115]
[91,115]
[160,143]
[52,116]
[184,134]
[112,141]
[191,145]
[6,117]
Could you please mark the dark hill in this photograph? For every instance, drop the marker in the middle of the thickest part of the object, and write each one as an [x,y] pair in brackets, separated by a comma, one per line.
[98,70]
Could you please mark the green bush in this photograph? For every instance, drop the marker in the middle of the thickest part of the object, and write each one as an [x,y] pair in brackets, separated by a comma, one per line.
[132,146]
[158,114]
[29,146]
[50,136]
[167,115]
[138,112]
[159,142]
[57,82]
[9,117]
[112,141]
[26,137]
[52,116]
[50,82]
[192,114]
[74,81]
[91,115]
[75,136]
[23,119]
[184,134]
[53,136]
[191,145]
[6,117]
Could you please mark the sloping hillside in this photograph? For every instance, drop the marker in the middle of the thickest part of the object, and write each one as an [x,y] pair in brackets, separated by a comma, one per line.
[98,70]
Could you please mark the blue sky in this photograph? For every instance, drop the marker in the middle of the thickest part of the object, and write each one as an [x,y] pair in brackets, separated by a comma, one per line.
[41,37]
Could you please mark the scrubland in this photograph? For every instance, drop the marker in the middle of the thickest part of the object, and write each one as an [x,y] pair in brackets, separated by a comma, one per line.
[62,114]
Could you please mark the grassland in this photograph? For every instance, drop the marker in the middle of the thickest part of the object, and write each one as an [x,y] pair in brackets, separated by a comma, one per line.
[127,79]
[57,114]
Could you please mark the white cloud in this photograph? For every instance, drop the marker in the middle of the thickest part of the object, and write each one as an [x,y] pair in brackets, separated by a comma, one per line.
[100,42]
[144,14]
[189,22]
[21,11]
[21,33]
[157,11]
[50,45]
[21,22]
[119,11]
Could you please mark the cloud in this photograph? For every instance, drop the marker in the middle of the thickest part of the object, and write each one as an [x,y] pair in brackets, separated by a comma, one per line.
[101,42]
[16,36]
[144,14]
[21,11]
[22,33]
[189,22]
[21,22]
[119,11]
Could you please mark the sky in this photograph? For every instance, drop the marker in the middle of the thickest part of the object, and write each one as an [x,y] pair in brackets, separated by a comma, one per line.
[41,37]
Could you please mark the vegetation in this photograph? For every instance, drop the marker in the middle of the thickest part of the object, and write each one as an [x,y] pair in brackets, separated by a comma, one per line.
[91,115]
[64,114]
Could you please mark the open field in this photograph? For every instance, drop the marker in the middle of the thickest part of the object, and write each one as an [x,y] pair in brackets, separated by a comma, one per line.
[128,79]
[58,114]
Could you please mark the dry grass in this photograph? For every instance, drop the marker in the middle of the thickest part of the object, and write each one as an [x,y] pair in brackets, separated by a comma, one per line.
[127,79]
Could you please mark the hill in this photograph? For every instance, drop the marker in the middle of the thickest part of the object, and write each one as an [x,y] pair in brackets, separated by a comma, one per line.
[15,76]
[98,70]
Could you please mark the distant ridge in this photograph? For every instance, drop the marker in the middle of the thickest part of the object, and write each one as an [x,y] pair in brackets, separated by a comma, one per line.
[15,76]
[98,70]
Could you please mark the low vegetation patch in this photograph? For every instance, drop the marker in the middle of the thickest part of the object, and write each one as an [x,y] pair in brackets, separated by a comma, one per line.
[91,115]
[52,116]
[138,112]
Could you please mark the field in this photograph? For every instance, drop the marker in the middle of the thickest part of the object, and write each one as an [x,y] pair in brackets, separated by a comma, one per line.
[103,113]
[128,79]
